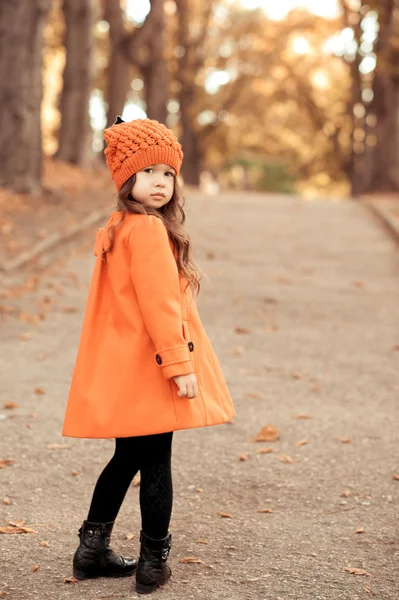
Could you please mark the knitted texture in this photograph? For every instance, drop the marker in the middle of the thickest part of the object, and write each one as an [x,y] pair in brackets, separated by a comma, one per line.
[134,145]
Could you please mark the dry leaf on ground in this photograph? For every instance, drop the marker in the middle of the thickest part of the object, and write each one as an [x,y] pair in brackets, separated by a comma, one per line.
[75,473]
[242,330]
[296,375]
[34,568]
[16,528]
[129,536]
[300,443]
[191,560]
[288,460]
[225,515]
[243,457]
[302,416]
[58,446]
[4,462]
[269,433]
[10,405]
[39,391]
[71,579]
[136,480]
[45,544]
[346,494]
[354,571]
[265,510]
[26,336]
[360,530]
[368,590]
[343,440]
[6,501]
[264,451]
[201,541]
[395,476]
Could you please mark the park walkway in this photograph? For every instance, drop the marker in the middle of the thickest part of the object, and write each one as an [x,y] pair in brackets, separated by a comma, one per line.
[302,306]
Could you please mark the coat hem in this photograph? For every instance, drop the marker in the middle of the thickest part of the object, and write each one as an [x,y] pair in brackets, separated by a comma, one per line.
[153,432]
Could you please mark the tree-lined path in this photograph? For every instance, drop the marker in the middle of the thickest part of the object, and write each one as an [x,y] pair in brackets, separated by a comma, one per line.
[301,304]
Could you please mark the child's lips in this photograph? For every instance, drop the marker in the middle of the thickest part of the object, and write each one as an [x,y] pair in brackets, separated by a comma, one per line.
[158,195]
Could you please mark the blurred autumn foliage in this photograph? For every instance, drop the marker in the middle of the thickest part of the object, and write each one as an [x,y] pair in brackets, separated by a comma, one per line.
[302,103]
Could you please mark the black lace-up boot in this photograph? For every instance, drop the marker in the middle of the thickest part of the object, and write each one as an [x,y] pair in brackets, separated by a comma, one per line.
[94,558]
[152,570]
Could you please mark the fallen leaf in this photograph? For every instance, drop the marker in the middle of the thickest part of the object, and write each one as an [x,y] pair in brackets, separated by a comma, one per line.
[300,443]
[15,529]
[302,416]
[6,501]
[199,490]
[396,348]
[71,579]
[243,457]
[285,459]
[368,590]
[34,568]
[253,395]
[10,405]
[39,391]
[58,446]
[346,494]
[191,560]
[201,541]
[354,571]
[238,350]
[297,375]
[268,300]
[136,480]
[343,440]
[242,330]
[264,451]
[45,544]
[26,336]
[68,309]
[75,473]
[5,461]
[129,536]
[358,284]
[225,515]
[269,433]
[395,476]
[360,530]
[265,510]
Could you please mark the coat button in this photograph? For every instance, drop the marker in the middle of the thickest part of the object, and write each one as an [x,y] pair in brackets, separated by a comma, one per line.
[158,359]
[190,346]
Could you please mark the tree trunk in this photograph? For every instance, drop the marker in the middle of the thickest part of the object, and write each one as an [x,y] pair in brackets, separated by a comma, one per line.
[155,72]
[385,172]
[21,45]
[118,68]
[145,48]
[75,133]
[192,163]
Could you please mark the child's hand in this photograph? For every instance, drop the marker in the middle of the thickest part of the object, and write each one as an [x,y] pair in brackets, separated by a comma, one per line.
[187,384]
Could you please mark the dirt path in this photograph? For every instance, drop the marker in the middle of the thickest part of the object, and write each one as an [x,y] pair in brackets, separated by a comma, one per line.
[316,285]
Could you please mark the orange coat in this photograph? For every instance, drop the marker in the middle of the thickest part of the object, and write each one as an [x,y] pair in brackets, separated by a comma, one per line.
[140,329]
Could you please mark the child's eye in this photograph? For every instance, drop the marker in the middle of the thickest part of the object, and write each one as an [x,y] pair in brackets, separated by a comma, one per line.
[170,173]
[148,170]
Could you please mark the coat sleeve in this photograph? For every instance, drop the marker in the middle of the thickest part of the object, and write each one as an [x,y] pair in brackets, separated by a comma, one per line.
[155,278]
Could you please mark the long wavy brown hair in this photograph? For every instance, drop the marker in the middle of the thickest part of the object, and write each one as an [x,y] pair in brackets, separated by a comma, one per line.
[173,217]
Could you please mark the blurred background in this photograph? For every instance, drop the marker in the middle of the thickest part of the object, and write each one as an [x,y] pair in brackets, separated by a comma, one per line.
[291,96]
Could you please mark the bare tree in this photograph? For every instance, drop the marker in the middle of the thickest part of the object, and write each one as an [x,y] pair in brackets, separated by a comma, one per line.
[21,46]
[75,132]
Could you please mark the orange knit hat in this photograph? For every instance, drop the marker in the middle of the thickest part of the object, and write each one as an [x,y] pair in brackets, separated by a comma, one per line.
[134,145]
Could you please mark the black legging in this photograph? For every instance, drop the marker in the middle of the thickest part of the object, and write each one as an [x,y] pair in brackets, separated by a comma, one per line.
[151,455]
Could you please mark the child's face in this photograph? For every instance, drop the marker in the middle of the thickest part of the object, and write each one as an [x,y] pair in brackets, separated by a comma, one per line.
[154,185]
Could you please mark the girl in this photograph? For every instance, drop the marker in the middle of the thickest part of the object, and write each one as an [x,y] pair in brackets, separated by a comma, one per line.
[145,366]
